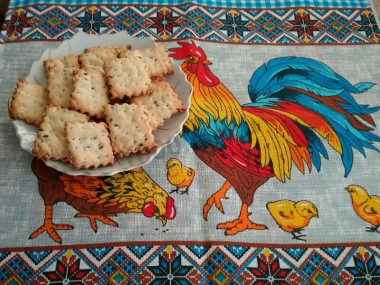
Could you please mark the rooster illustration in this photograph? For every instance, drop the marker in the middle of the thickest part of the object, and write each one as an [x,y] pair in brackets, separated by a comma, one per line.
[295,102]
[98,198]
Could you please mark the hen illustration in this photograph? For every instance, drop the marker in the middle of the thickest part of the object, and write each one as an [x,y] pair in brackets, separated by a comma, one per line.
[179,175]
[99,198]
[295,102]
[366,207]
[292,217]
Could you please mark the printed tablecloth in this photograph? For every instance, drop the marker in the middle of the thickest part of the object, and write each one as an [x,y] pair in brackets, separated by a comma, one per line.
[277,167]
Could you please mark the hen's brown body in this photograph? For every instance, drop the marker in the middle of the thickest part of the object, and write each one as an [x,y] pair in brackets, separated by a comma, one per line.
[52,190]
[98,198]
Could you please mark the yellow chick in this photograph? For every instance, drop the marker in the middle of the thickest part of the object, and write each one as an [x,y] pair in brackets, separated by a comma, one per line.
[179,176]
[291,216]
[366,207]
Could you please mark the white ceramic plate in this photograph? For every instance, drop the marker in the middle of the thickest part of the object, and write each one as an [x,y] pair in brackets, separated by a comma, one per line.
[163,136]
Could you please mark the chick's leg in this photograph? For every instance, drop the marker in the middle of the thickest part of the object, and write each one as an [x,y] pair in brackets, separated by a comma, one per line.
[186,191]
[373,229]
[174,190]
[299,236]
[50,227]
[215,199]
[240,224]
[93,219]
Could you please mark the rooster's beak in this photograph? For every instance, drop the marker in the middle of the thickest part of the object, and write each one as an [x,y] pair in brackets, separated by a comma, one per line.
[206,62]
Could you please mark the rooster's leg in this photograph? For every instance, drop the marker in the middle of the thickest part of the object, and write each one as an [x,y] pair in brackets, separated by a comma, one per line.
[49,227]
[215,199]
[93,219]
[240,224]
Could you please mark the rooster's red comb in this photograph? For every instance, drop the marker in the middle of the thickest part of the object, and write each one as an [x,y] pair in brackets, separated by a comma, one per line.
[186,50]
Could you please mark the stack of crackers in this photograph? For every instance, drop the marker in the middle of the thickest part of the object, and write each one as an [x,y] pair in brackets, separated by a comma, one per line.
[107,101]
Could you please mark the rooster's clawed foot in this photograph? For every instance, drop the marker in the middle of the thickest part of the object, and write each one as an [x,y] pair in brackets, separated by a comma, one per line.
[241,224]
[93,219]
[50,227]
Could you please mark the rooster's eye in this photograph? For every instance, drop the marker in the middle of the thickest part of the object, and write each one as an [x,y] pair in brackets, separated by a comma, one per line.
[191,59]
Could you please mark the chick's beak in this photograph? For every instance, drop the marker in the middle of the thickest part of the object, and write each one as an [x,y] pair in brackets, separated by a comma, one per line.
[206,62]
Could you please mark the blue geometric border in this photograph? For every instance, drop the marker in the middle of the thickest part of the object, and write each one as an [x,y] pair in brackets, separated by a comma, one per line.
[167,23]
[181,264]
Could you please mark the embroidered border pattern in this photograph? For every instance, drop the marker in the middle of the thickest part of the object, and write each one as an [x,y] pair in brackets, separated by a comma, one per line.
[213,3]
[192,264]
[243,26]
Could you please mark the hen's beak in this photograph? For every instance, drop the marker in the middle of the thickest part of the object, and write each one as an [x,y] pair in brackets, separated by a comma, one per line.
[163,220]
[206,62]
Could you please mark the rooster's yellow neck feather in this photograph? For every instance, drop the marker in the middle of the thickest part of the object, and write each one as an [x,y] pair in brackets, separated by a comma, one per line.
[215,101]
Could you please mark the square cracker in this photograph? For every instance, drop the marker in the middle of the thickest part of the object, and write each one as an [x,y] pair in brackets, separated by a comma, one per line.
[69,61]
[28,102]
[89,145]
[156,59]
[128,76]
[130,131]
[161,104]
[95,57]
[51,142]
[59,73]
[117,48]
[90,94]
